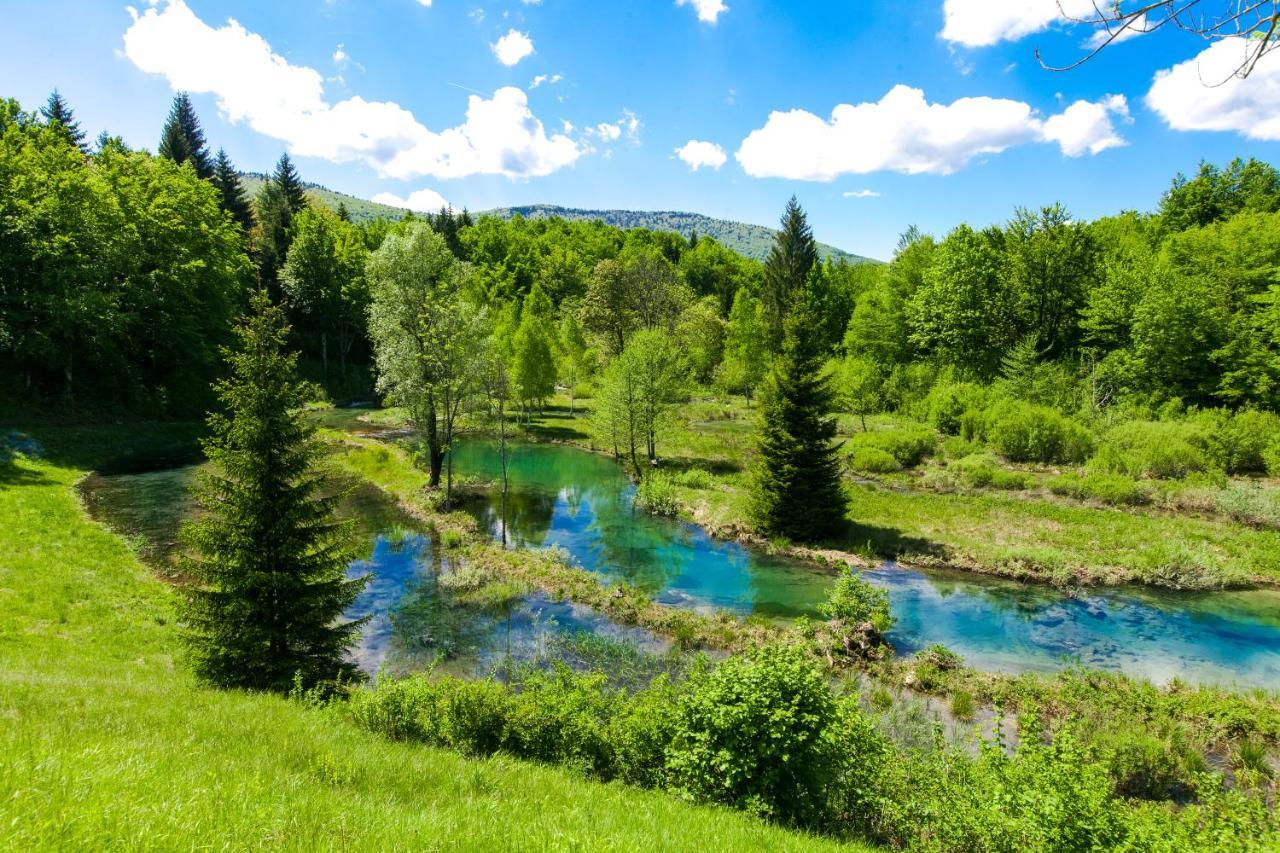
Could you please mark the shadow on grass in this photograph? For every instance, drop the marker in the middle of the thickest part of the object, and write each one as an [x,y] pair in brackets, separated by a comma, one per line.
[14,473]
[120,448]
[885,542]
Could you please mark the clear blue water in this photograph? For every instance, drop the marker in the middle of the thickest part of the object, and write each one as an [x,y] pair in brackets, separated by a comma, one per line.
[581,501]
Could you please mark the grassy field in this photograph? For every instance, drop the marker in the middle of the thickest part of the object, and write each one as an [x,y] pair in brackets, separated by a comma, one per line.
[107,743]
[1028,534]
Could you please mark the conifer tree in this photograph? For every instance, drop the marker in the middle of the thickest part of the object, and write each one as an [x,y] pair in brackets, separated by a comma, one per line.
[57,113]
[286,177]
[234,200]
[182,139]
[791,260]
[268,558]
[796,484]
[343,213]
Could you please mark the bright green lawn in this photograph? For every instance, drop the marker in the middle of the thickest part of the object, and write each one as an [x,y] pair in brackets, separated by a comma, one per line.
[105,741]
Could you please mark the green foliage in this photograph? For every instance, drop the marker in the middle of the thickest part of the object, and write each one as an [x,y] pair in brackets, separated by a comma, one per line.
[1024,432]
[182,139]
[1113,489]
[792,259]
[1156,449]
[752,734]
[854,600]
[635,396]
[873,460]
[796,489]
[656,494]
[745,359]
[947,403]
[981,470]
[908,445]
[269,560]
[962,705]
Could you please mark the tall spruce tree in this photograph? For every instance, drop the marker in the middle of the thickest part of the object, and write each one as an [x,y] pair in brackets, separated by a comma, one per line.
[234,200]
[343,213]
[57,113]
[182,139]
[268,558]
[796,484]
[791,260]
[286,177]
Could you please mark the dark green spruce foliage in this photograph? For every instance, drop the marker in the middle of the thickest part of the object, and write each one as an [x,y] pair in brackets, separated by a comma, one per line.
[233,198]
[57,113]
[286,177]
[797,479]
[182,139]
[791,260]
[269,560]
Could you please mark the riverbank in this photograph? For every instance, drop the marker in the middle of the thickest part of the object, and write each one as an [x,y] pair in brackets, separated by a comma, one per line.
[108,742]
[930,516]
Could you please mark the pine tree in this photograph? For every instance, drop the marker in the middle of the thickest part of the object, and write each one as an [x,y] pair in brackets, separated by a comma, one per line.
[268,558]
[57,113]
[796,484]
[182,139]
[791,260]
[343,213]
[234,200]
[286,177]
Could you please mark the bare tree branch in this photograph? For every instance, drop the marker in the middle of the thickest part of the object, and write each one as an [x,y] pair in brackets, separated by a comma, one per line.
[1255,22]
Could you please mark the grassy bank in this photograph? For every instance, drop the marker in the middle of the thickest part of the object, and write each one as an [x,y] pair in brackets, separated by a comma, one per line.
[107,743]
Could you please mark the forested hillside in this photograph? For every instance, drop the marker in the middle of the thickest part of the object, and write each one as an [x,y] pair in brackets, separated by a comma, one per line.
[752,241]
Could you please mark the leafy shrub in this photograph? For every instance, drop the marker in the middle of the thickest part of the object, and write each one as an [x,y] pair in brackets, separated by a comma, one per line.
[1027,433]
[873,460]
[982,470]
[657,494]
[1113,489]
[908,445]
[1166,450]
[1141,764]
[641,731]
[473,715]
[946,403]
[1245,440]
[752,733]
[853,600]
[695,478]
[560,717]
[1271,456]
[857,791]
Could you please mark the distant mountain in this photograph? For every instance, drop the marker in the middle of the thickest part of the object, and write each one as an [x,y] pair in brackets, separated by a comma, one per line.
[752,241]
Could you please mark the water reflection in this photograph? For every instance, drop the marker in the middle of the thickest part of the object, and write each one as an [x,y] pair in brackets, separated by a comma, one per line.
[1223,637]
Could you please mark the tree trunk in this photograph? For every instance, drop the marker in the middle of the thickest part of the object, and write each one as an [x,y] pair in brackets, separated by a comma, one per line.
[324,355]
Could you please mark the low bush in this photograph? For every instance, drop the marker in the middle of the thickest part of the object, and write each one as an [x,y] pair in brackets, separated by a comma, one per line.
[1245,439]
[853,600]
[873,460]
[1168,450]
[695,478]
[908,445]
[982,470]
[657,494]
[1024,432]
[945,405]
[753,733]
[1113,489]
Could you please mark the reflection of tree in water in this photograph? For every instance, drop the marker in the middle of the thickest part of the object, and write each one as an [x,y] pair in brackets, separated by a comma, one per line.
[638,548]
[427,623]
[1024,601]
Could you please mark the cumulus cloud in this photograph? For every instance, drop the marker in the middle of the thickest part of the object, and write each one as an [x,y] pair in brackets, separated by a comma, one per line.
[609,132]
[1085,127]
[512,47]
[1203,93]
[860,194]
[708,10]
[696,154]
[253,84]
[549,79]
[981,23]
[902,132]
[422,201]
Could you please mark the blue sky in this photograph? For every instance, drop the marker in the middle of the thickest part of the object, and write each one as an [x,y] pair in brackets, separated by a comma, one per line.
[947,115]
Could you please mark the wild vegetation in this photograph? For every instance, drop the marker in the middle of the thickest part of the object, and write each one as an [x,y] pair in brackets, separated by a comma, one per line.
[1049,398]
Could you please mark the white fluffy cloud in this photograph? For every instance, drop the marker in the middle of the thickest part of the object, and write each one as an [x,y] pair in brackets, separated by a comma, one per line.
[422,201]
[512,47]
[1085,126]
[696,154]
[1203,93]
[708,10]
[253,84]
[860,194]
[902,132]
[548,79]
[981,23]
